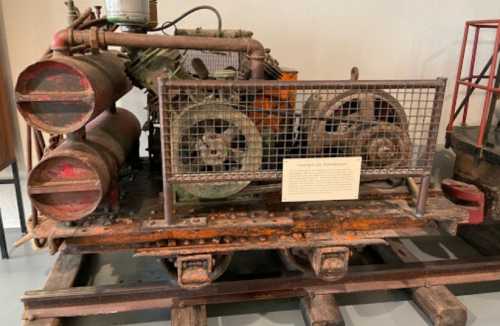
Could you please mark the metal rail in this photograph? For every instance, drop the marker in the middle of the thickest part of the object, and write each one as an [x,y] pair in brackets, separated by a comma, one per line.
[86,301]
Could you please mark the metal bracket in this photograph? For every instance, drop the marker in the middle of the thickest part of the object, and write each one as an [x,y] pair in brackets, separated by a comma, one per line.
[330,264]
[193,272]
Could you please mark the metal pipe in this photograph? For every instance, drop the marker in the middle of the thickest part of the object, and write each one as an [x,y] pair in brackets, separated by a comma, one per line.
[64,39]
[471,72]
[74,25]
[458,77]
[422,195]
[489,95]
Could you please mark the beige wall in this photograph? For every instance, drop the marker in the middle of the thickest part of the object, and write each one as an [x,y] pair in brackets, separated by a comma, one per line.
[322,38]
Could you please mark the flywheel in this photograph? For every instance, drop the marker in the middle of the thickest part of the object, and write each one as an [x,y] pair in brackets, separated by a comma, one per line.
[333,125]
[215,138]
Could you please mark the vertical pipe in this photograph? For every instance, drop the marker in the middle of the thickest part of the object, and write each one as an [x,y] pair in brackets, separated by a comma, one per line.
[457,79]
[72,11]
[489,92]
[471,73]
[29,149]
[40,144]
[169,204]
[493,105]
[422,195]
[168,192]
[29,156]
[19,197]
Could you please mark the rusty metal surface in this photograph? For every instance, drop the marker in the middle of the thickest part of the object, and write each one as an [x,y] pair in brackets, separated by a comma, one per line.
[260,223]
[484,174]
[62,94]
[256,52]
[466,195]
[72,180]
[86,301]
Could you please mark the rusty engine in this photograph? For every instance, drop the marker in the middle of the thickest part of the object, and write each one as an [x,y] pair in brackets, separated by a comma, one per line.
[223,115]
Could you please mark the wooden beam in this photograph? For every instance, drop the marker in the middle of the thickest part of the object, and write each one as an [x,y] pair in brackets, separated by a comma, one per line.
[321,310]
[189,316]
[62,276]
[440,305]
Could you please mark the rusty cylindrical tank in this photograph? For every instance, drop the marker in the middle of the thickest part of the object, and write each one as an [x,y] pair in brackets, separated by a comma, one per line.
[62,94]
[71,182]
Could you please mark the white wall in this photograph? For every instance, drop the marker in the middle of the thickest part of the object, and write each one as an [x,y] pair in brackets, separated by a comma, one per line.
[323,39]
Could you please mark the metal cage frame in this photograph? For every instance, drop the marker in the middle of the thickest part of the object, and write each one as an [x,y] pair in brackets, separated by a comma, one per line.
[421,106]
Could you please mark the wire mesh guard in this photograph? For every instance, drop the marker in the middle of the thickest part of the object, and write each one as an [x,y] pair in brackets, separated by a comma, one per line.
[213,64]
[219,131]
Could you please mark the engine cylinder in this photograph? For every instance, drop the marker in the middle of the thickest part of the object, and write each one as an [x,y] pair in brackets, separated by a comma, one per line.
[62,94]
[71,181]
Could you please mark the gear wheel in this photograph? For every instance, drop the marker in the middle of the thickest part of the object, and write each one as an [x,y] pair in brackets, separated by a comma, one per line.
[382,146]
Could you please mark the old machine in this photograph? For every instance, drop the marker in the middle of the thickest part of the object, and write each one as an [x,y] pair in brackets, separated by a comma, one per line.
[223,116]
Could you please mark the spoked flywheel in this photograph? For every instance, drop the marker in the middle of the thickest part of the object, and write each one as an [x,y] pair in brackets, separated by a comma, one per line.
[334,124]
[215,138]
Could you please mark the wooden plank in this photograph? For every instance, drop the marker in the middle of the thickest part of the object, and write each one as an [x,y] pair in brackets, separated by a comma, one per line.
[189,316]
[321,310]
[7,147]
[62,276]
[441,306]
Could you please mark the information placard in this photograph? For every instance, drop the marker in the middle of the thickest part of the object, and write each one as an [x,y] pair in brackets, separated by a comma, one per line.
[321,179]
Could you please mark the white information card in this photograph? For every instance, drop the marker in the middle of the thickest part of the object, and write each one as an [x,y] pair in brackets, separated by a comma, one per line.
[321,179]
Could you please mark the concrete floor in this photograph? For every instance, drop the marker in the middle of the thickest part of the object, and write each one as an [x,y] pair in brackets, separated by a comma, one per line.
[28,269]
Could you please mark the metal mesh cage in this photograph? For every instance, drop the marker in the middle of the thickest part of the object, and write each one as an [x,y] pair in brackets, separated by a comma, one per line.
[213,61]
[218,131]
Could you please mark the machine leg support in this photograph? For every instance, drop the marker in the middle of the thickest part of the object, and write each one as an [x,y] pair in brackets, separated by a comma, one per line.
[189,316]
[441,306]
[321,310]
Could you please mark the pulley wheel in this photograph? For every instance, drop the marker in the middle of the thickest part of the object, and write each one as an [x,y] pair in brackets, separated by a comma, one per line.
[214,139]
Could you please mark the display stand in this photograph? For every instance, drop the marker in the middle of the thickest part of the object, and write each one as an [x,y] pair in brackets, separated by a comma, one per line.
[3,242]
[19,198]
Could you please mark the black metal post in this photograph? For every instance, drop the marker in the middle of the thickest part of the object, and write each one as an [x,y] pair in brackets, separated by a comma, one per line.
[19,198]
[3,242]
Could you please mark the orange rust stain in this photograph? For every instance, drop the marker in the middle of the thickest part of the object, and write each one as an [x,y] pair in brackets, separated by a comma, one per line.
[272,103]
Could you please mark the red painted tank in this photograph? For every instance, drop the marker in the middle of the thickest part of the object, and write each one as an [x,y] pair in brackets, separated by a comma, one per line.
[62,94]
[71,181]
